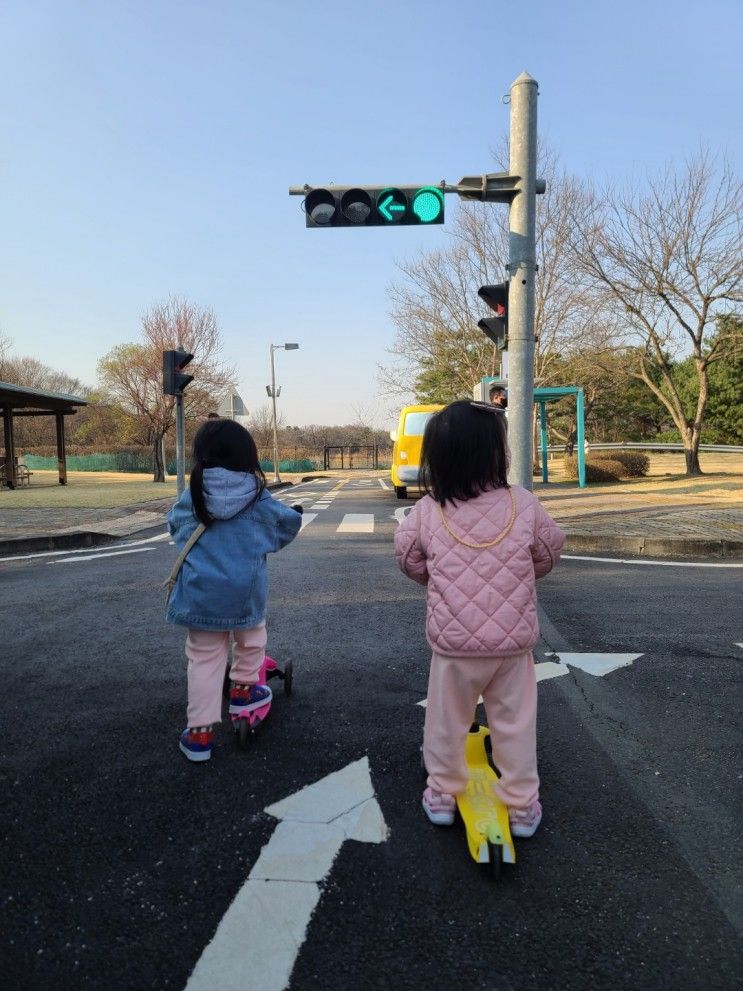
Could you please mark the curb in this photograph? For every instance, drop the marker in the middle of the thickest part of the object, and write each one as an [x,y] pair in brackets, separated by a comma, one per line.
[56,541]
[654,546]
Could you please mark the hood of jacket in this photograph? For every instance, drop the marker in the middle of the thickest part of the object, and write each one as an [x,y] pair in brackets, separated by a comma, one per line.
[226,493]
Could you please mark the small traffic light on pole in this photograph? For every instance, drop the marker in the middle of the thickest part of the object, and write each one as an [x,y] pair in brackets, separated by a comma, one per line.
[373,206]
[174,381]
[496,328]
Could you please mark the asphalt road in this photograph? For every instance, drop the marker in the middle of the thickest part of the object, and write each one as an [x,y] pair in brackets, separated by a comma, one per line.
[121,858]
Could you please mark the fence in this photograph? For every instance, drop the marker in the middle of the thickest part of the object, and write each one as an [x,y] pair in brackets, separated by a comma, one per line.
[292,460]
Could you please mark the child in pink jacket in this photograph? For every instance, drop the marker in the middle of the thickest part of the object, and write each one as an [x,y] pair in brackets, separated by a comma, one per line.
[478,545]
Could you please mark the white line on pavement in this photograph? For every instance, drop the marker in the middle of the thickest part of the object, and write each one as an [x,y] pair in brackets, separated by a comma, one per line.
[665,564]
[384,484]
[307,518]
[85,550]
[357,523]
[92,557]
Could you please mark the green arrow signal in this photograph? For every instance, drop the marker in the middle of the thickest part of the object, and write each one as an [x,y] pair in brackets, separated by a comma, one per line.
[389,205]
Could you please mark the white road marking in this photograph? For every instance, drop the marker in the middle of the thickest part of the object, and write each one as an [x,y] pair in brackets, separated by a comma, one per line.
[92,557]
[596,664]
[320,505]
[739,645]
[257,942]
[307,518]
[384,484]
[357,523]
[550,669]
[401,513]
[85,550]
[665,564]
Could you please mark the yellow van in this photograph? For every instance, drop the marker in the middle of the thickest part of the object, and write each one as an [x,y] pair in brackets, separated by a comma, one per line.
[406,451]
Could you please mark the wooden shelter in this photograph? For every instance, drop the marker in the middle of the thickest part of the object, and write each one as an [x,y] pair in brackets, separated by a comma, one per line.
[18,400]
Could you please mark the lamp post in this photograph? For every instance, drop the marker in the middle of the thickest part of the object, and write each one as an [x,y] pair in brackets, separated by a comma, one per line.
[273,393]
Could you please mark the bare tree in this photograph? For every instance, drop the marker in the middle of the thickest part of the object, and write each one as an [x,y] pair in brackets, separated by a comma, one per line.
[260,425]
[132,373]
[667,258]
[439,352]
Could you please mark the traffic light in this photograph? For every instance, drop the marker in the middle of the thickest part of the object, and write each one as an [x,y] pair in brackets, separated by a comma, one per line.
[374,206]
[174,381]
[496,328]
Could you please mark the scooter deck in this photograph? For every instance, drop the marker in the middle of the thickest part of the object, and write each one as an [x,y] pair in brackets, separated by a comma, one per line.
[485,817]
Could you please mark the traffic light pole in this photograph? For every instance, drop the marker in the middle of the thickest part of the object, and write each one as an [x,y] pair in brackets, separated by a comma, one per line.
[522,266]
[180,443]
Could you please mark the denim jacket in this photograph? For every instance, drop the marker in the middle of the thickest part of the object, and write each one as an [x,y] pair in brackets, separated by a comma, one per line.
[223,583]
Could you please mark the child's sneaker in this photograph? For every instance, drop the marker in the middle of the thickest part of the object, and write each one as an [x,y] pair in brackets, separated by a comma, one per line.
[196,744]
[439,807]
[524,822]
[245,698]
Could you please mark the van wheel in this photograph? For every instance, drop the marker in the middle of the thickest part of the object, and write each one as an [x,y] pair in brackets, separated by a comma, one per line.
[401,492]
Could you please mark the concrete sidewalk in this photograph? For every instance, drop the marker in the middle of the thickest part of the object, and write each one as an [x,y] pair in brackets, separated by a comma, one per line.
[597,520]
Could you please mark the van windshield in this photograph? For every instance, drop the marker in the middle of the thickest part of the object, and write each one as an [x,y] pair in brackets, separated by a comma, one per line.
[415,424]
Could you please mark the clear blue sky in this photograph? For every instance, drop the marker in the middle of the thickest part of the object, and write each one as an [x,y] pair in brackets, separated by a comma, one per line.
[146,149]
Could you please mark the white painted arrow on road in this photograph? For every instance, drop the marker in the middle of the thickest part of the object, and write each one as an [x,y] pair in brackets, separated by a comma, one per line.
[257,941]
[595,664]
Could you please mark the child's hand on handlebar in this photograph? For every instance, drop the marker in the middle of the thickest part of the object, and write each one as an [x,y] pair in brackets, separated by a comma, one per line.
[298,508]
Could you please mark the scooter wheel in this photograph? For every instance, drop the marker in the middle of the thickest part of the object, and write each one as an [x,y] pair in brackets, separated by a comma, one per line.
[288,678]
[243,733]
[495,863]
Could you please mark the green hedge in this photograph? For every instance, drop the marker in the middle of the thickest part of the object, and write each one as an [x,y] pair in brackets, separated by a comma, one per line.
[597,469]
[636,464]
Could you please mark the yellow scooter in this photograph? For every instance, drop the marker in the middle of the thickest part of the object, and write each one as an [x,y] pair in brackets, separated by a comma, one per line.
[485,817]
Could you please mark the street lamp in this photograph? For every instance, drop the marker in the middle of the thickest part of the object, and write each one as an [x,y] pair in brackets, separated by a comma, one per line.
[273,393]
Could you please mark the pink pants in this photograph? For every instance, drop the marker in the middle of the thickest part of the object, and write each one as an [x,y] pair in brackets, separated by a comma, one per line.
[207,652]
[508,686]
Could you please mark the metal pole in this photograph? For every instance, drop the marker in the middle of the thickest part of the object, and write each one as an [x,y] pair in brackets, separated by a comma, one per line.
[522,268]
[180,443]
[276,477]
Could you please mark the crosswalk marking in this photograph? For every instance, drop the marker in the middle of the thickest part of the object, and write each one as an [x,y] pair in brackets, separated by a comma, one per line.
[357,523]
[307,518]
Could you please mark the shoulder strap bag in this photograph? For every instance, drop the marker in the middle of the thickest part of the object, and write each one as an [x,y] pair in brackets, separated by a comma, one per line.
[170,581]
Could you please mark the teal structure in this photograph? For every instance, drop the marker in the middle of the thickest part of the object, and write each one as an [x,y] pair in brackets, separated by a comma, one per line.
[550,395]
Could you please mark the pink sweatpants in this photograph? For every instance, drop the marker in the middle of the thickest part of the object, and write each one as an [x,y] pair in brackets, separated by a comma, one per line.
[207,652]
[508,686]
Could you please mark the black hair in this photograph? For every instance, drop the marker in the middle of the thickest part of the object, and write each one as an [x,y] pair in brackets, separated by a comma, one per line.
[464,452]
[495,390]
[221,444]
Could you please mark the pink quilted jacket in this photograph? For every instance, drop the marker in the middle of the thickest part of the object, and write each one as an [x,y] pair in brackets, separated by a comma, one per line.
[481,599]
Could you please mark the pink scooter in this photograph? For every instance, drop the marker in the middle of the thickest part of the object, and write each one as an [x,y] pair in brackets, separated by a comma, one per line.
[246,724]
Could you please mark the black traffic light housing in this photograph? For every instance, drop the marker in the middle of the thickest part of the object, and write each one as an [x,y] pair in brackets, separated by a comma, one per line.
[374,206]
[174,381]
[496,328]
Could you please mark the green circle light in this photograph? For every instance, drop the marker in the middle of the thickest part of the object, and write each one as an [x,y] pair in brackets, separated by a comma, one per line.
[428,204]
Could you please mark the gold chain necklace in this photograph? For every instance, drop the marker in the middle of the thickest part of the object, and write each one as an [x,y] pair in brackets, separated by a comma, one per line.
[490,543]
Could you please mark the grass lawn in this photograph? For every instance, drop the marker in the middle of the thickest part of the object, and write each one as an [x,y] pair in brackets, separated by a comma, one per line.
[722,483]
[91,490]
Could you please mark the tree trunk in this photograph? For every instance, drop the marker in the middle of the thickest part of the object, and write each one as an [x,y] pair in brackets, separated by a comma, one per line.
[691,451]
[158,468]
[691,455]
